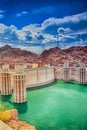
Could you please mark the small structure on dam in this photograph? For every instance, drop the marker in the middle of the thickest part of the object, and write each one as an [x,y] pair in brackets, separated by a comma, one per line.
[19,85]
[6,88]
[82,74]
[66,72]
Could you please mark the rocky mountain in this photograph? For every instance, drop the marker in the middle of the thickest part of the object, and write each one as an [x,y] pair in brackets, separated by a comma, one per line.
[7,53]
[54,56]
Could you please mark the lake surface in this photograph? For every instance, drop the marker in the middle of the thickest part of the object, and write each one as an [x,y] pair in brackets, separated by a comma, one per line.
[57,106]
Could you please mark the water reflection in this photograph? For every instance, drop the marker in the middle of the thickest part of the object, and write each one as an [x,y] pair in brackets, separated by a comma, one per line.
[41,87]
[21,107]
[5,98]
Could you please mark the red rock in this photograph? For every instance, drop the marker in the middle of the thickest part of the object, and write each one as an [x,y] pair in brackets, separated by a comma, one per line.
[53,56]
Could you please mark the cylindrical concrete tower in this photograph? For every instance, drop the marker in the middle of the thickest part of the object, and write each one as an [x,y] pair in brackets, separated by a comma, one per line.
[6,88]
[19,85]
[82,74]
[66,72]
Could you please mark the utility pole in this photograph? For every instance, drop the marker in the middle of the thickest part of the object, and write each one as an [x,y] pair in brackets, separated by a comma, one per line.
[78,40]
[58,41]
[43,47]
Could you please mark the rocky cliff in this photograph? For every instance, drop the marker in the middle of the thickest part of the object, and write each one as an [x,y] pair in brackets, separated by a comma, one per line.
[54,56]
[10,54]
[10,117]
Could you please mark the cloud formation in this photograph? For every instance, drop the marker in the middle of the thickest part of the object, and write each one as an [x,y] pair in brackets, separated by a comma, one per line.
[65,20]
[49,33]
[23,13]
[1,14]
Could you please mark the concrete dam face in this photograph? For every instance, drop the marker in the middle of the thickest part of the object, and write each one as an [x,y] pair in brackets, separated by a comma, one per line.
[18,79]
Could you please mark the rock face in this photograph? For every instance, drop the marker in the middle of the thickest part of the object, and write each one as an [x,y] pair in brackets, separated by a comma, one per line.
[10,51]
[14,123]
[9,54]
[54,56]
[8,115]
[3,126]
[19,125]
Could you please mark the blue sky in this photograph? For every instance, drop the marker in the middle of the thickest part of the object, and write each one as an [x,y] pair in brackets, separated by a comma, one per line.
[38,24]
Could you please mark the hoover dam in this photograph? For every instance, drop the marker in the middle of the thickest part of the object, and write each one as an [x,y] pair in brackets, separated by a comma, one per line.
[51,98]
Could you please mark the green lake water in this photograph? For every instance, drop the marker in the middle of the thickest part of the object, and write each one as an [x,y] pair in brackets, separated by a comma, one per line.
[57,106]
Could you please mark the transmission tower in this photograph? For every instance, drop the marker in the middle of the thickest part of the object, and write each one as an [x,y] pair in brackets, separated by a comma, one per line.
[43,47]
[58,42]
[78,40]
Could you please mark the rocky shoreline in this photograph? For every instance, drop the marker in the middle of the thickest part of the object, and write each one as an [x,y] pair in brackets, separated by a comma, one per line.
[10,117]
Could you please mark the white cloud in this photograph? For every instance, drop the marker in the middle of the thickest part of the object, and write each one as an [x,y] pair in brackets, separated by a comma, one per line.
[33,28]
[3,44]
[36,35]
[68,19]
[1,14]
[37,29]
[23,13]
[65,33]
[34,49]
[1,11]
[64,30]
[21,34]
[8,33]
[49,38]
[12,28]
[2,28]
[75,44]
[80,32]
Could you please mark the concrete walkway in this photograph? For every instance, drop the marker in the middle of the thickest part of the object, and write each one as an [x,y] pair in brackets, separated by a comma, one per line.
[3,126]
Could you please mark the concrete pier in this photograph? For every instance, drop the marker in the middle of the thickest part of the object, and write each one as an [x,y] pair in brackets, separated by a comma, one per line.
[82,74]
[19,85]
[66,72]
[6,88]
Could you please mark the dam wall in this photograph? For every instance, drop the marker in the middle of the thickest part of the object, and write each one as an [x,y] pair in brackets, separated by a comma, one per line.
[36,77]
[40,76]
[19,79]
[74,74]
